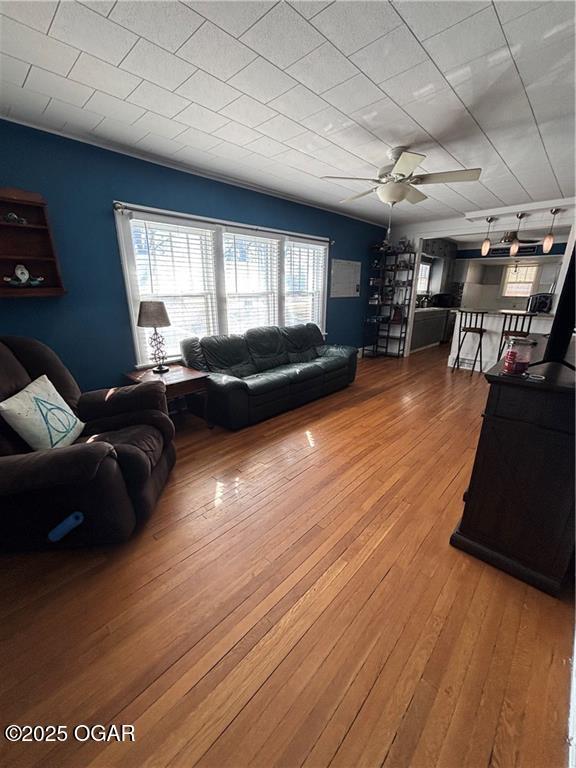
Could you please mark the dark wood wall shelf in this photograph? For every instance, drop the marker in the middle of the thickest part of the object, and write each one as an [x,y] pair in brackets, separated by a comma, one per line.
[28,243]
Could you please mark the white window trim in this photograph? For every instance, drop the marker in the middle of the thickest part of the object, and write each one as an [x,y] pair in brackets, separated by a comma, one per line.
[504,281]
[123,213]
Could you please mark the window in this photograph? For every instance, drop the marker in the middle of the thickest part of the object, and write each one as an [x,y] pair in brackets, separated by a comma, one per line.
[218,278]
[519,280]
[423,282]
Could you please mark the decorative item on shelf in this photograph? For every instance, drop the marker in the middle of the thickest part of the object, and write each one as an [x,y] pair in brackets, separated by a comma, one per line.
[13,218]
[397,315]
[549,239]
[152,314]
[21,278]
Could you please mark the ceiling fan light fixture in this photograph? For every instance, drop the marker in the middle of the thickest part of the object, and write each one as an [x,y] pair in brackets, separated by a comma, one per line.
[392,193]
[486,245]
[549,239]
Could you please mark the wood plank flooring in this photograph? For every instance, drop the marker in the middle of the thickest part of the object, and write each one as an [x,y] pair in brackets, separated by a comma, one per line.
[295,602]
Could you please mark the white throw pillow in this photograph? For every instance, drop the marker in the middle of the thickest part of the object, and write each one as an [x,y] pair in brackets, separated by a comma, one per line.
[41,417]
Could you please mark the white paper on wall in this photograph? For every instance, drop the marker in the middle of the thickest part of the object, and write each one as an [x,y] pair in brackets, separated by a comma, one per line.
[345,279]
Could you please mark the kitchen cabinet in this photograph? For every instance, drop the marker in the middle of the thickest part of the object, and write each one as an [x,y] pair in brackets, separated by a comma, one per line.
[429,327]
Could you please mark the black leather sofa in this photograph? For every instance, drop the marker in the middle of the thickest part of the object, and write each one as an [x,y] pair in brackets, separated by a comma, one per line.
[267,371]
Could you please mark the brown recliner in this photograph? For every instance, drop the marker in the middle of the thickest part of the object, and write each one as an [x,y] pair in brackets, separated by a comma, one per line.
[113,474]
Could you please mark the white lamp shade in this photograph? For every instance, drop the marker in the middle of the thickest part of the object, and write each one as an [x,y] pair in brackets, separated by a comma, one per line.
[485,250]
[392,193]
[548,243]
[514,245]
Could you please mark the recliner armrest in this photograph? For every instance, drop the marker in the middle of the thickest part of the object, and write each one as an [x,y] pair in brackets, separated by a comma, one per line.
[153,418]
[70,465]
[149,395]
[336,350]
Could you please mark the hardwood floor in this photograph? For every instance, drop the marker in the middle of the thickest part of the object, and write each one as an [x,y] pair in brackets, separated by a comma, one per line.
[295,602]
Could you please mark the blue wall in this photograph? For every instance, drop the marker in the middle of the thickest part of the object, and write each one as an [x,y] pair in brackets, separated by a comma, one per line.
[89,327]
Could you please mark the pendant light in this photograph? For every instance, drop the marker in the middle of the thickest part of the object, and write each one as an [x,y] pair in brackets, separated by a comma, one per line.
[515,244]
[486,245]
[549,239]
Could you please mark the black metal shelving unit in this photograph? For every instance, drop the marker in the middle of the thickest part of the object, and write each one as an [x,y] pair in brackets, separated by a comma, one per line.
[391,285]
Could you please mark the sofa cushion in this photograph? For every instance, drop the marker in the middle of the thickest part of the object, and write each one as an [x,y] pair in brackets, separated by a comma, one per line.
[192,354]
[267,347]
[299,372]
[268,381]
[228,354]
[332,364]
[298,344]
[315,335]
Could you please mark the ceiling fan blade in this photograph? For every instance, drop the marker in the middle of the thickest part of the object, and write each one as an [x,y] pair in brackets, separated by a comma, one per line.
[355,197]
[414,195]
[444,177]
[352,178]
[407,163]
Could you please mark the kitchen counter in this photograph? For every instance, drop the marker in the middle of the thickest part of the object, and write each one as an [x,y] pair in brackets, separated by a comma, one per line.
[493,320]
[431,326]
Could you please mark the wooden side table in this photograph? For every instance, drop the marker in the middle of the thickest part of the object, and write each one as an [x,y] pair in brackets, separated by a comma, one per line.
[180,381]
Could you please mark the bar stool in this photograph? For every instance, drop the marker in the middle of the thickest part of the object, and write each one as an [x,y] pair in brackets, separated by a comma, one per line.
[470,322]
[514,324]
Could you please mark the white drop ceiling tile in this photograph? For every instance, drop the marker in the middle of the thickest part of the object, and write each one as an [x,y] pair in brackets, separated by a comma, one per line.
[34,13]
[235,17]
[161,126]
[479,195]
[282,36]
[374,152]
[156,99]
[119,131]
[77,25]
[207,90]
[353,94]
[476,36]
[202,118]
[307,142]
[59,87]
[70,116]
[351,26]
[192,156]
[403,131]
[158,145]
[552,99]
[266,146]
[231,151]
[167,24]
[281,128]
[194,138]
[298,102]
[248,111]
[351,137]
[262,80]
[547,24]
[512,9]
[23,104]
[17,40]
[422,81]
[109,106]
[322,69]
[237,133]
[157,65]
[103,76]
[558,136]
[309,8]
[430,18]
[389,55]
[441,115]
[13,70]
[327,122]
[344,162]
[305,163]
[216,52]
[103,7]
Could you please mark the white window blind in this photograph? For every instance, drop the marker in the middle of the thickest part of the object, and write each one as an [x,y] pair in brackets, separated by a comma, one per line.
[519,280]
[175,264]
[304,280]
[423,282]
[251,279]
[216,277]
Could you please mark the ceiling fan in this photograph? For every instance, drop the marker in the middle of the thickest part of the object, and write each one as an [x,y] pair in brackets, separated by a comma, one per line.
[397,182]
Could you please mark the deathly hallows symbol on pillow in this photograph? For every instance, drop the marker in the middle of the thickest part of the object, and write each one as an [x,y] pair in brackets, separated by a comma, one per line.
[59,421]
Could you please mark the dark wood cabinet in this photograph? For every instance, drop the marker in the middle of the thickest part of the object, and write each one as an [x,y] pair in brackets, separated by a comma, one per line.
[25,238]
[519,507]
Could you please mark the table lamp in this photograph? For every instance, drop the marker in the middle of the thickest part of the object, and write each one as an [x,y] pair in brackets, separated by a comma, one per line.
[152,314]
